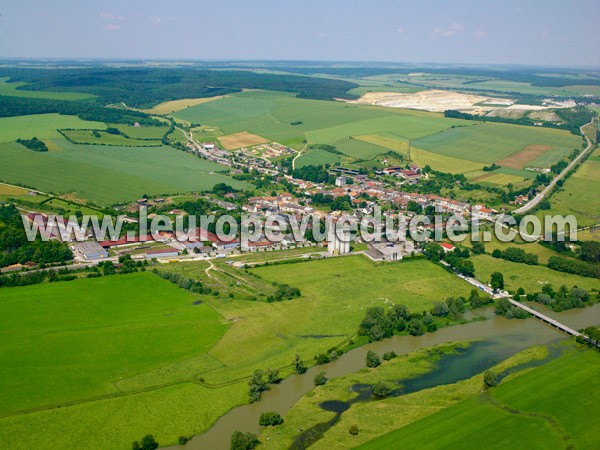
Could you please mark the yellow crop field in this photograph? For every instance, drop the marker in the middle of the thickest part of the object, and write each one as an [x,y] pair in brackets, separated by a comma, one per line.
[398,145]
[177,105]
[442,163]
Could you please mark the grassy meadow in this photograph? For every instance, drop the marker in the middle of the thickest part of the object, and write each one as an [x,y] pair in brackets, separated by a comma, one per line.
[490,142]
[316,157]
[530,278]
[165,364]
[267,334]
[144,132]
[176,105]
[543,253]
[579,194]
[552,406]
[377,417]
[112,174]
[270,114]
[11,90]
[42,126]
[593,234]
[78,338]
[88,137]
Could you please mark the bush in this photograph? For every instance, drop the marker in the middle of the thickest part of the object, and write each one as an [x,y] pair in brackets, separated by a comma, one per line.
[353,430]
[256,386]
[183,440]
[389,355]
[381,390]
[322,359]
[415,327]
[273,376]
[372,359]
[299,366]
[148,443]
[271,418]
[490,379]
[243,441]
[320,379]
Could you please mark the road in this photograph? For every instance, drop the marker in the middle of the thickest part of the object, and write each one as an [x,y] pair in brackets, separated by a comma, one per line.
[538,198]
[478,284]
[297,156]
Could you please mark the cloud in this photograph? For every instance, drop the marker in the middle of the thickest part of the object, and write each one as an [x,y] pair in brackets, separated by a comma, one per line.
[544,34]
[401,30]
[161,20]
[480,34]
[108,16]
[112,27]
[452,30]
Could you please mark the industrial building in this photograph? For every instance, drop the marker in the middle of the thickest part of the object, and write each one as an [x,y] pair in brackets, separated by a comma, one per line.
[162,253]
[88,250]
[335,245]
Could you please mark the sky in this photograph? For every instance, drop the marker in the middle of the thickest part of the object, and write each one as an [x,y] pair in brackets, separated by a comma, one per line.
[545,32]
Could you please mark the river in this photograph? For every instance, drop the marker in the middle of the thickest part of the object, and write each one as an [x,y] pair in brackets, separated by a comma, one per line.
[503,338]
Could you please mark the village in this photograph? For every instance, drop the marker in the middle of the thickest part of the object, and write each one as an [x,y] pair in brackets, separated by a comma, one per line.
[362,195]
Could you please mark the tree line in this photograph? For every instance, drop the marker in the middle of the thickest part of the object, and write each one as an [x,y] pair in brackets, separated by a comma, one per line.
[572,118]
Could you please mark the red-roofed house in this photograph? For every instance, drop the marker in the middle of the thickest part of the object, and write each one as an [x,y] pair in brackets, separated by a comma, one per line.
[447,247]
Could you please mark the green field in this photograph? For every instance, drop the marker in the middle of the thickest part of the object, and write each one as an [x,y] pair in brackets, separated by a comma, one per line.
[443,163]
[530,278]
[553,406]
[141,315]
[490,142]
[593,234]
[332,287]
[363,132]
[316,157]
[73,340]
[87,137]
[388,140]
[42,126]
[107,175]
[359,149]
[543,253]
[579,195]
[10,89]
[269,114]
[144,132]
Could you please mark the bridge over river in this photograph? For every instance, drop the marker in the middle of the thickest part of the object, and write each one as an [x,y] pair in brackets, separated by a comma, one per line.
[552,322]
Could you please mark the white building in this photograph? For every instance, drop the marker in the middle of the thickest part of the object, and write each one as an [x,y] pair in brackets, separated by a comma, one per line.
[340,181]
[335,245]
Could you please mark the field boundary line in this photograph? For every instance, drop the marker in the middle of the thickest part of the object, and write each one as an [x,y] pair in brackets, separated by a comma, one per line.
[552,421]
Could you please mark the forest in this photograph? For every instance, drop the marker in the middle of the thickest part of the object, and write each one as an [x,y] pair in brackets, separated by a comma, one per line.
[15,248]
[143,88]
